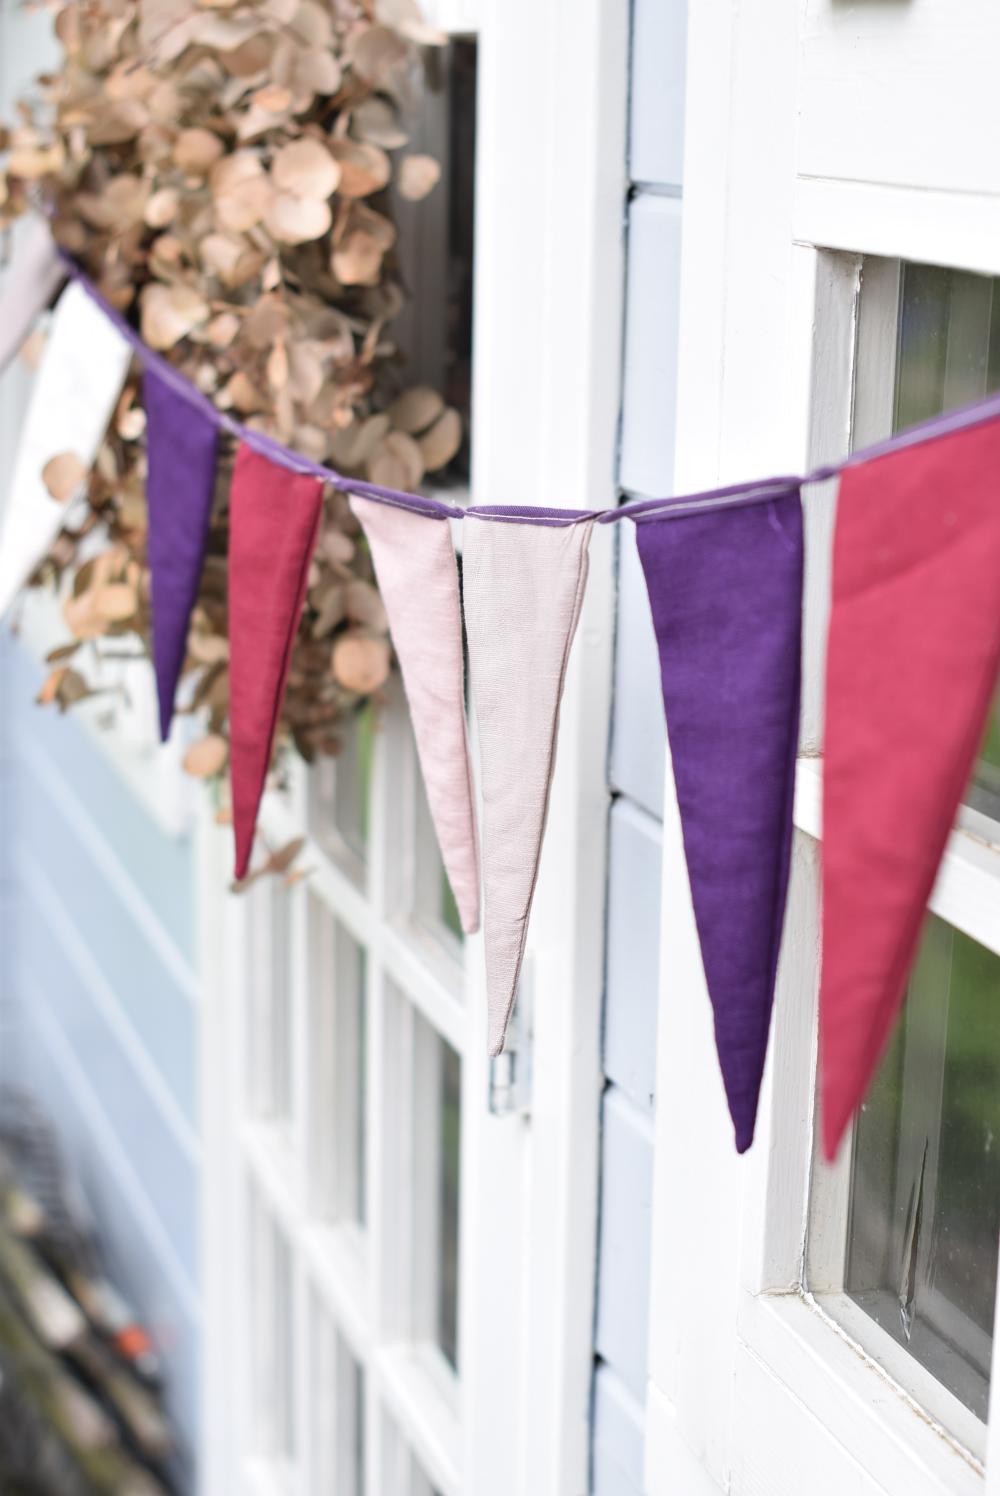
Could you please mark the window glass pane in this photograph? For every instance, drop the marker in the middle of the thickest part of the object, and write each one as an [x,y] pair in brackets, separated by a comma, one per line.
[273,1390]
[338,1031]
[949,355]
[340,793]
[436,240]
[437,1157]
[925,1196]
[269,1037]
[924,1204]
[338,1411]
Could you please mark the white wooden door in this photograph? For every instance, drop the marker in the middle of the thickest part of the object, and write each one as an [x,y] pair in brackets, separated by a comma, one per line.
[399,1238]
[829,149]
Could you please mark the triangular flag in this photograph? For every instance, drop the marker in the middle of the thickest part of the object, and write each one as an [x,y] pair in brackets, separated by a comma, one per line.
[912,662]
[417,575]
[181,442]
[30,284]
[523,587]
[725,588]
[274,520]
[73,396]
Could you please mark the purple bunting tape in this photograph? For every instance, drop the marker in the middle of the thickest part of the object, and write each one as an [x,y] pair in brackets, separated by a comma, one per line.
[735,496]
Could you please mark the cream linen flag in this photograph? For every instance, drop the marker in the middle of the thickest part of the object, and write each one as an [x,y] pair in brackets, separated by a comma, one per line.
[72,400]
[523,587]
[29,285]
[417,575]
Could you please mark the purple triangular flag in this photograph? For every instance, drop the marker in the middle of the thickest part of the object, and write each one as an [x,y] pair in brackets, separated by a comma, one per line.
[181,452]
[725,588]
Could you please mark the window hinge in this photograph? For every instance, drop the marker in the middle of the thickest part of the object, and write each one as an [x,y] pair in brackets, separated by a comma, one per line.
[510,1071]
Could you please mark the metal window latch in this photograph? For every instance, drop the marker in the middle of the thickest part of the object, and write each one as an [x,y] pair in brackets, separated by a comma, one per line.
[510,1071]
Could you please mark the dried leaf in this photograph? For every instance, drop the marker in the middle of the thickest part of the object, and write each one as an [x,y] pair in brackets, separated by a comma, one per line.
[196,151]
[206,757]
[358,261]
[169,313]
[115,602]
[296,220]
[442,442]
[306,169]
[361,663]
[416,409]
[418,175]
[364,168]
[64,475]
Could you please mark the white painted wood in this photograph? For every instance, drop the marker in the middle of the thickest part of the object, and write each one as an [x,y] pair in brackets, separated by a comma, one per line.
[656,133]
[638,733]
[619,1438]
[937,227]
[622,1323]
[876,91]
[630,1014]
[515,1419]
[752,1388]
[649,391]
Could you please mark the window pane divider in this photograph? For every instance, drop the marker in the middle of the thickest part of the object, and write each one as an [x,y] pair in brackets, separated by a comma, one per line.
[412,1382]
[439,1001]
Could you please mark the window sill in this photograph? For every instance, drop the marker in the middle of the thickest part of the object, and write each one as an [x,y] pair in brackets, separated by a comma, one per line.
[853,1396]
[968,881]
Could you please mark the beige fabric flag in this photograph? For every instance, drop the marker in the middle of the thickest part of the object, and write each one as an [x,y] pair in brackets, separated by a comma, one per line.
[28,286]
[418,578]
[73,398]
[523,587]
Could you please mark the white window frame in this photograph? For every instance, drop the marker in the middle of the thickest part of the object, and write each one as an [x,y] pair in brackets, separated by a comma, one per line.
[752,1386]
[546,390]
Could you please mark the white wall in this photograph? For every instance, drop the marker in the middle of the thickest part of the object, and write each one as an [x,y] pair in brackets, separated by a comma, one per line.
[98,997]
[646,460]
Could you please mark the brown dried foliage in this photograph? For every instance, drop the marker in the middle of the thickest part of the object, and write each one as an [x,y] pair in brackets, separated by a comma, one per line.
[220,168]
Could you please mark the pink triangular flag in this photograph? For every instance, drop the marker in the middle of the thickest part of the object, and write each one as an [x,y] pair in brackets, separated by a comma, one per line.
[523,587]
[417,575]
[912,663]
[274,520]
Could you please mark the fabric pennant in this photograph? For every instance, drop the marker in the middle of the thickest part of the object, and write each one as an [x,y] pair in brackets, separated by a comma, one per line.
[73,398]
[274,521]
[181,449]
[912,663]
[417,575]
[523,587]
[29,286]
[725,589]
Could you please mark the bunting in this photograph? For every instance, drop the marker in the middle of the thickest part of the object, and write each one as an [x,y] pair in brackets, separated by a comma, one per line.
[73,396]
[913,658]
[417,575]
[524,586]
[274,519]
[725,589]
[181,451]
[912,664]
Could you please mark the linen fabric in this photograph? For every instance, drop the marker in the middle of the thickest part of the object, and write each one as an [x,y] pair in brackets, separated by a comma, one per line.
[73,397]
[33,279]
[725,589]
[523,588]
[912,662]
[417,574]
[181,443]
[274,520]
